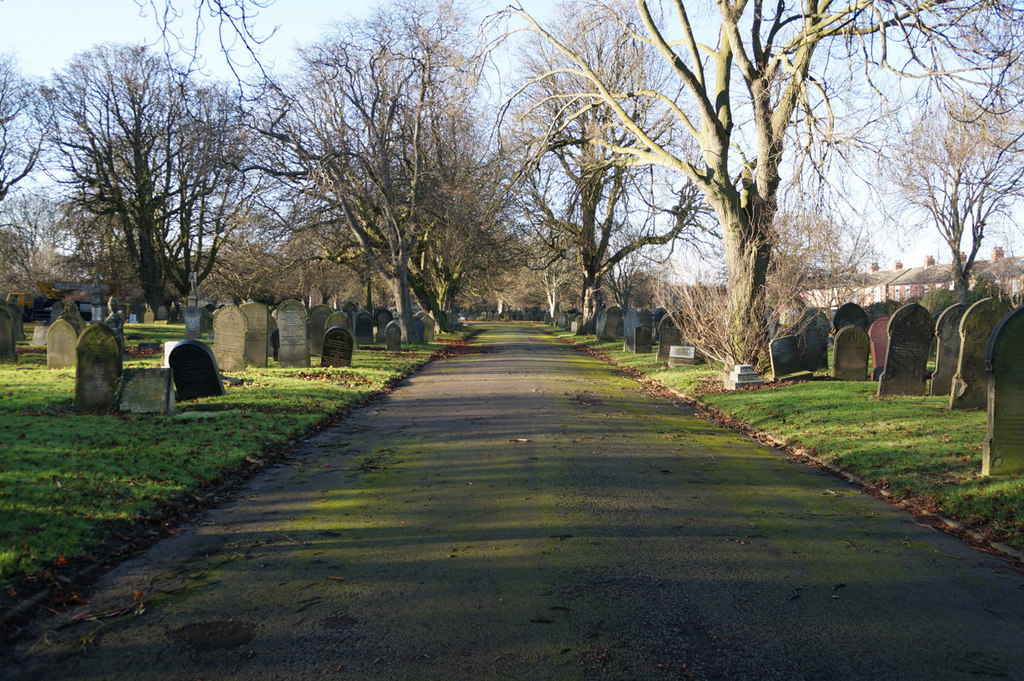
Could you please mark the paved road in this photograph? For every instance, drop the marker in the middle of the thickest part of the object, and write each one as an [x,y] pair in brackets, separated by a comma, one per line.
[524,512]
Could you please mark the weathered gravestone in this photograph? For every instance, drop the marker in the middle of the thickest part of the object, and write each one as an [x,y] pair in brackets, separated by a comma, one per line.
[630,320]
[947,343]
[257,321]
[1003,449]
[337,319]
[195,370]
[668,336]
[229,328]
[338,347]
[643,343]
[39,332]
[17,321]
[878,334]
[850,313]
[71,314]
[969,388]
[161,314]
[429,328]
[599,324]
[193,315]
[742,376]
[364,328]
[612,327]
[416,331]
[850,356]
[656,317]
[7,348]
[577,324]
[646,318]
[56,311]
[562,320]
[98,370]
[293,349]
[382,317]
[147,315]
[784,354]
[61,341]
[393,336]
[146,391]
[316,324]
[910,335]
[813,340]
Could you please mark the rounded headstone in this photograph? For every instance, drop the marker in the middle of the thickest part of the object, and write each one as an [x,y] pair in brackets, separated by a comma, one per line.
[98,370]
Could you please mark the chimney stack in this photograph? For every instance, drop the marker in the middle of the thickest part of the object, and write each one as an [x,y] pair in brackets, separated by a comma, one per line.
[875,267]
[897,265]
[929,261]
[997,254]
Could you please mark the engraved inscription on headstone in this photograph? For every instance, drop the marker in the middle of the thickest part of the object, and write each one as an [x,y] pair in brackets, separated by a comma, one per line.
[910,335]
[338,346]
[229,329]
[146,391]
[293,350]
[784,353]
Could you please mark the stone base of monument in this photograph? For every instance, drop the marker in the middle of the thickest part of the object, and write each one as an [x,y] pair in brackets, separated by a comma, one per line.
[742,376]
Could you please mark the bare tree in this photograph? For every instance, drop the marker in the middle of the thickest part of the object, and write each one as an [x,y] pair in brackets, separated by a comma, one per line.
[748,73]
[959,172]
[21,132]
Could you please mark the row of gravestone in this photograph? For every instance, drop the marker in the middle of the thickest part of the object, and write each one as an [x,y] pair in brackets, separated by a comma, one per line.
[640,330]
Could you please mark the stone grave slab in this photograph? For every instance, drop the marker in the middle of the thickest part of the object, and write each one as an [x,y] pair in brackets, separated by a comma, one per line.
[742,376]
[39,332]
[850,313]
[1003,448]
[316,320]
[669,336]
[947,348]
[229,328]
[195,370]
[906,359]
[7,347]
[813,340]
[98,369]
[382,318]
[146,391]
[393,336]
[630,320]
[969,388]
[611,330]
[643,343]
[850,357]
[338,346]
[61,343]
[364,328]
[193,315]
[784,353]
[257,318]
[293,350]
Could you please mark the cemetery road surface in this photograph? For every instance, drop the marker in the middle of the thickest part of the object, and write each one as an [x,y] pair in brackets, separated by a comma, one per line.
[524,511]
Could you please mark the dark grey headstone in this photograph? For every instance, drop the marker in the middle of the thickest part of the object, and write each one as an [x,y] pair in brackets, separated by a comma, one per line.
[162,314]
[906,359]
[7,351]
[61,344]
[257,317]
[382,318]
[612,328]
[17,321]
[293,350]
[56,311]
[850,356]
[364,328]
[878,333]
[813,340]
[316,324]
[1003,449]
[338,318]
[195,370]
[947,343]
[642,341]
[656,317]
[599,324]
[229,329]
[99,369]
[416,332]
[393,336]
[970,383]
[338,347]
[784,353]
[630,321]
[146,391]
[429,328]
[850,313]
[668,336]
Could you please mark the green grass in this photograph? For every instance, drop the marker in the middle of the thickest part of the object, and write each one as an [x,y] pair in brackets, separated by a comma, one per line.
[68,481]
[913,448]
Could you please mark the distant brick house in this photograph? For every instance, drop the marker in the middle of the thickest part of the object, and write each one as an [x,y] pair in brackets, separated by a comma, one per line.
[902,284]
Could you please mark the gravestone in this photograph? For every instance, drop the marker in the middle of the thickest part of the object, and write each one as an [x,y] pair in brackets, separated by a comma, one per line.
[195,370]
[562,321]
[7,351]
[969,388]
[645,318]
[382,318]
[338,346]
[174,315]
[316,324]
[229,328]
[668,336]
[147,315]
[17,321]
[910,334]
[682,355]
[39,332]
[642,341]
[293,350]
[599,324]
[393,336]
[257,321]
[656,317]
[630,320]
[61,343]
[742,376]
[98,370]
[161,314]
[71,314]
[850,356]
[193,315]
[878,334]
[364,328]
[206,319]
[784,353]
[850,313]
[947,343]
[577,324]
[813,340]
[429,328]
[1003,449]
[417,330]
[146,391]
[56,311]
[337,319]
[612,326]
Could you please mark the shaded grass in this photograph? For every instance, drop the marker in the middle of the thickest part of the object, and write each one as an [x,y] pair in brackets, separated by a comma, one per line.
[924,455]
[69,480]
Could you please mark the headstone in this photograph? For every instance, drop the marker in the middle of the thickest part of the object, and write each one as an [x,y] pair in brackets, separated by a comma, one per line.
[878,334]
[146,391]
[229,329]
[642,341]
[61,343]
[316,320]
[99,369]
[599,324]
[337,319]
[39,332]
[682,355]
[645,318]
[257,318]
[630,321]
[7,351]
[393,336]
[364,328]
[195,370]
[17,321]
[668,336]
[162,313]
[784,353]
[850,313]
[742,376]
[850,356]
[174,315]
[906,359]
[148,317]
[291,326]
[969,388]
[56,311]
[1003,450]
[193,315]
[656,317]
[562,320]
[338,346]
[813,340]
[429,327]
[611,328]
[417,331]
[71,314]
[947,344]
[382,317]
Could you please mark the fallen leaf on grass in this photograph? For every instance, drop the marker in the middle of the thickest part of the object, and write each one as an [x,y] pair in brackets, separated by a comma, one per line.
[337,579]
[520,439]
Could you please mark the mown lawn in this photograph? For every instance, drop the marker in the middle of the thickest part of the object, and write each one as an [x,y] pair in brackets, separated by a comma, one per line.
[913,448]
[70,481]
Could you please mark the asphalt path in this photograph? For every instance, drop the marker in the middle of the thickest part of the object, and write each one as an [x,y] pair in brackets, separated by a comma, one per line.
[527,512]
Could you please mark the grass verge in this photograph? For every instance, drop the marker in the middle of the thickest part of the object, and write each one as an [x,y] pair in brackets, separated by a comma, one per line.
[912,450]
